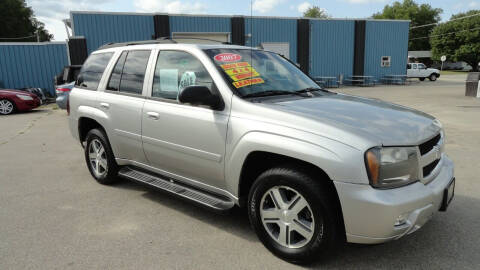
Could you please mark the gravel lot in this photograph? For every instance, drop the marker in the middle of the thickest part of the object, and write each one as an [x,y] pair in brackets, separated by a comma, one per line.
[54,215]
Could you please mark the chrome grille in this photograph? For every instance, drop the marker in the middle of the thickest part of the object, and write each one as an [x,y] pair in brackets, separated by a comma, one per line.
[431,153]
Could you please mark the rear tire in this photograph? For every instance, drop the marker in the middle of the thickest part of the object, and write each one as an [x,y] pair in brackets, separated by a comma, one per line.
[6,107]
[421,79]
[99,157]
[433,77]
[290,230]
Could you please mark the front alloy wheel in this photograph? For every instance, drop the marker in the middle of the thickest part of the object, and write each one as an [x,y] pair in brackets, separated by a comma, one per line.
[6,107]
[287,217]
[295,213]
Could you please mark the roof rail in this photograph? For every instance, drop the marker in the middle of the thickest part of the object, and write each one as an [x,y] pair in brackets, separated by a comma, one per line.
[160,40]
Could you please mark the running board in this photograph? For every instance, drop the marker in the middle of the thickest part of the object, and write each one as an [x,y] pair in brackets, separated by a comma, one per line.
[176,188]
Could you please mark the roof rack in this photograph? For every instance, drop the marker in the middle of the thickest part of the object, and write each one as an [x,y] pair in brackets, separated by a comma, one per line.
[160,40]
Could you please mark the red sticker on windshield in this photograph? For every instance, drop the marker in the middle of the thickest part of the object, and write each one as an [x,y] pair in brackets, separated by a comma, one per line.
[227,57]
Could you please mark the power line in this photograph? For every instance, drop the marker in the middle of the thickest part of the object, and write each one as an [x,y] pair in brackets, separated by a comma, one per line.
[476,28]
[20,37]
[456,19]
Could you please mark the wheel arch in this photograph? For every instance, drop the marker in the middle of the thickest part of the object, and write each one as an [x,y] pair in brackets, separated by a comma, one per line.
[259,161]
[85,124]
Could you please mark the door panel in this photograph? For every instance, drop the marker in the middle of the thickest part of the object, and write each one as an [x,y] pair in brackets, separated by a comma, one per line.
[185,140]
[125,120]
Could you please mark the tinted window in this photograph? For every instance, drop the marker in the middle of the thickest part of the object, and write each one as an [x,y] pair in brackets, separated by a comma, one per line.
[176,70]
[131,80]
[92,70]
[114,82]
[421,66]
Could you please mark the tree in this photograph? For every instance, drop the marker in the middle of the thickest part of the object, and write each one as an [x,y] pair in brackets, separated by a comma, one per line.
[458,40]
[316,12]
[17,20]
[419,15]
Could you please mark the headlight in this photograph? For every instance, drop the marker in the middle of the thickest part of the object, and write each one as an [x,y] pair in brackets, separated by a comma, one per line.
[390,167]
[24,97]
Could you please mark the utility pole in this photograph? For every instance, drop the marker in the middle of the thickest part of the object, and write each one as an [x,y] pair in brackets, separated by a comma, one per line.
[38,37]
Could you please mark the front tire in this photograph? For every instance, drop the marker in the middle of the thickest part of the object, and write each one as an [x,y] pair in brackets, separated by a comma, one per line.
[294,215]
[99,157]
[6,107]
[433,77]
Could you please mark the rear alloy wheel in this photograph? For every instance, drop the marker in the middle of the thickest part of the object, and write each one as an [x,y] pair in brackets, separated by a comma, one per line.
[6,107]
[99,157]
[433,77]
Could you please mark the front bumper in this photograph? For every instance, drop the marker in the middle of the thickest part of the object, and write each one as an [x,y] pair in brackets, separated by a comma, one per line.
[370,214]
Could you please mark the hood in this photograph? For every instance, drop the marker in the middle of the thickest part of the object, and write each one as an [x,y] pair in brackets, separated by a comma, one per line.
[433,69]
[385,123]
[15,92]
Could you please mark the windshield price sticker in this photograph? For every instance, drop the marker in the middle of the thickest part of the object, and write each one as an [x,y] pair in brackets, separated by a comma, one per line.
[235,65]
[240,71]
[248,82]
[228,57]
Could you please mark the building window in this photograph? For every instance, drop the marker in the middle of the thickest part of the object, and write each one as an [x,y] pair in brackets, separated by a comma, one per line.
[386,61]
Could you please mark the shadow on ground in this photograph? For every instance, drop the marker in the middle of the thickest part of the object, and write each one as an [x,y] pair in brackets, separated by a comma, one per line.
[432,242]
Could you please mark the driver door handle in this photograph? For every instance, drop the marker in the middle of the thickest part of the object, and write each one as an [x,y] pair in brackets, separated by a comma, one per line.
[153,115]
[104,105]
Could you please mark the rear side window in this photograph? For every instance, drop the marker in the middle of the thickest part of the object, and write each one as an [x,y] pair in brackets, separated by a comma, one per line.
[129,72]
[92,70]
[114,82]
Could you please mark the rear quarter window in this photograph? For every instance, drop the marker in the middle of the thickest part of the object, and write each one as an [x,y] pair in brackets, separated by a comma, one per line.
[92,70]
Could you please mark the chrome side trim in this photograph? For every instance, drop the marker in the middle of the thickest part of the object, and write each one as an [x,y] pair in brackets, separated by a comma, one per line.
[127,134]
[183,149]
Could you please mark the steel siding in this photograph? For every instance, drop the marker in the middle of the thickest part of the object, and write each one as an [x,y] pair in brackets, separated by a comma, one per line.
[100,29]
[386,38]
[331,47]
[200,24]
[31,65]
[272,30]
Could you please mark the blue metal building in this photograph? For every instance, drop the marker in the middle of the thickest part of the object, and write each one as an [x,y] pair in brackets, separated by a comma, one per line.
[331,47]
[28,64]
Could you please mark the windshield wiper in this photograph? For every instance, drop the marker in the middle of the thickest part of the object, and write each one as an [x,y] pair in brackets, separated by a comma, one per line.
[311,89]
[273,93]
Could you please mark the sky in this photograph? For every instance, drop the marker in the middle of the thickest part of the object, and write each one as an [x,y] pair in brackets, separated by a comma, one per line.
[51,12]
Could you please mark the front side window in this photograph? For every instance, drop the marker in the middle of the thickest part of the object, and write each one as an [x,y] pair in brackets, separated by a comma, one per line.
[129,72]
[176,70]
[421,66]
[252,72]
[92,71]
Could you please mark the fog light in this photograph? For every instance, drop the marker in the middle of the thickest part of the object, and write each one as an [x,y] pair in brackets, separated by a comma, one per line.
[401,220]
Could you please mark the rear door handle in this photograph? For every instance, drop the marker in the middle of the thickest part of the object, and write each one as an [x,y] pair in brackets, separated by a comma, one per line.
[104,105]
[153,115]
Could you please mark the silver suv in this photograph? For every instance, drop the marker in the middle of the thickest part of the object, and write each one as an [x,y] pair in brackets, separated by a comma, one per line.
[225,125]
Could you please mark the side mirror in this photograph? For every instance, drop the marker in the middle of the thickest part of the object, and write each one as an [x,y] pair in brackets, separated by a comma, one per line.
[199,95]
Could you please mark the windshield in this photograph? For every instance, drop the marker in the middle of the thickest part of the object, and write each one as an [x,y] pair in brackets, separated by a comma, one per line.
[253,72]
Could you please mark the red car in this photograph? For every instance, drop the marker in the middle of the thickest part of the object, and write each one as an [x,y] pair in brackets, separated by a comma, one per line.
[15,101]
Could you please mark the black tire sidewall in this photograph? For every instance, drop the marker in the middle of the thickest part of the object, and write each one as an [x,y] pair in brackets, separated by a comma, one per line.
[320,244]
[111,175]
[433,77]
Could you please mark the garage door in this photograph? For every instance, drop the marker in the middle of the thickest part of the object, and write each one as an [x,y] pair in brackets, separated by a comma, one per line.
[282,48]
[221,37]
